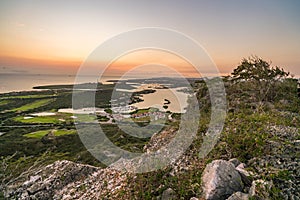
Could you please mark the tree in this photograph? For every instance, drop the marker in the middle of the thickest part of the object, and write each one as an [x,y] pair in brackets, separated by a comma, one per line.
[260,77]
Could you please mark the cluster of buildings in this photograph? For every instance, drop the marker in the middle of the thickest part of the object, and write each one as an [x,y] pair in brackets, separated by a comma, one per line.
[118,113]
[154,115]
[120,117]
[124,109]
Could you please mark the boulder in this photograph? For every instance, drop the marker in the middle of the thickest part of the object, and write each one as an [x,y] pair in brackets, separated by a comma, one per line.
[220,180]
[239,196]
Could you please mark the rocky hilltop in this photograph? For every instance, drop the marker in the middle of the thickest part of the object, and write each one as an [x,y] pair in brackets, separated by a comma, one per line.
[68,180]
[220,179]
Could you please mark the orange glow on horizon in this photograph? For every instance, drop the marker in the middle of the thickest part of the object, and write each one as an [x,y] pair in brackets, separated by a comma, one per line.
[31,62]
[138,59]
[153,62]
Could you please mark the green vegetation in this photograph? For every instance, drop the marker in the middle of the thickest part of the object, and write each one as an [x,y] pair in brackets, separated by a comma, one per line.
[40,134]
[102,118]
[34,96]
[26,142]
[98,86]
[141,111]
[246,134]
[33,105]
[3,102]
[85,118]
[260,78]
[148,185]
[108,110]
[38,120]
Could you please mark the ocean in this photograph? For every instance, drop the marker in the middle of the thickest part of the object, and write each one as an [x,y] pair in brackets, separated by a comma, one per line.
[16,82]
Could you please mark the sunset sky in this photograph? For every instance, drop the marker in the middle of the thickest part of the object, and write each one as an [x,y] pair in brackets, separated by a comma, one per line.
[56,36]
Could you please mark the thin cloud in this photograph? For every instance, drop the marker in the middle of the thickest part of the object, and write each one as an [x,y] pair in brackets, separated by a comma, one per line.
[19,24]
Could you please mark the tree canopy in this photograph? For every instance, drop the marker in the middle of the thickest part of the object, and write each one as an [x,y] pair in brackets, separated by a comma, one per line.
[258,80]
[256,69]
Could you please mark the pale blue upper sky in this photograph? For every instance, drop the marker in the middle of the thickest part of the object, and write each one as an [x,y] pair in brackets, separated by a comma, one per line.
[229,30]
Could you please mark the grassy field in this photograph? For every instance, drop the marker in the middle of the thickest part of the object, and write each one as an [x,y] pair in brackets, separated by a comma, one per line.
[55,119]
[140,111]
[43,119]
[33,105]
[86,118]
[3,102]
[103,119]
[40,134]
[34,96]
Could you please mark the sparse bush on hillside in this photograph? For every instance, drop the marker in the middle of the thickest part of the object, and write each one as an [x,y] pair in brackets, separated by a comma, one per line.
[257,80]
[255,85]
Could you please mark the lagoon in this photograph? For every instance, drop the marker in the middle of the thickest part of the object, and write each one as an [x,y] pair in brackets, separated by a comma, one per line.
[177,98]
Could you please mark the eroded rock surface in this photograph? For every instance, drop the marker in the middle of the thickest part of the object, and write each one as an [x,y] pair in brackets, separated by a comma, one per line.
[68,180]
[220,180]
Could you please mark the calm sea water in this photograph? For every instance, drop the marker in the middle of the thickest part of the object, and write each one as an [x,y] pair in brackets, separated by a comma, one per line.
[25,82]
[178,100]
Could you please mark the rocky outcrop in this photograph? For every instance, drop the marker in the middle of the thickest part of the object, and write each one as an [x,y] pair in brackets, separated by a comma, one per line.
[220,179]
[188,161]
[231,181]
[68,180]
[282,164]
